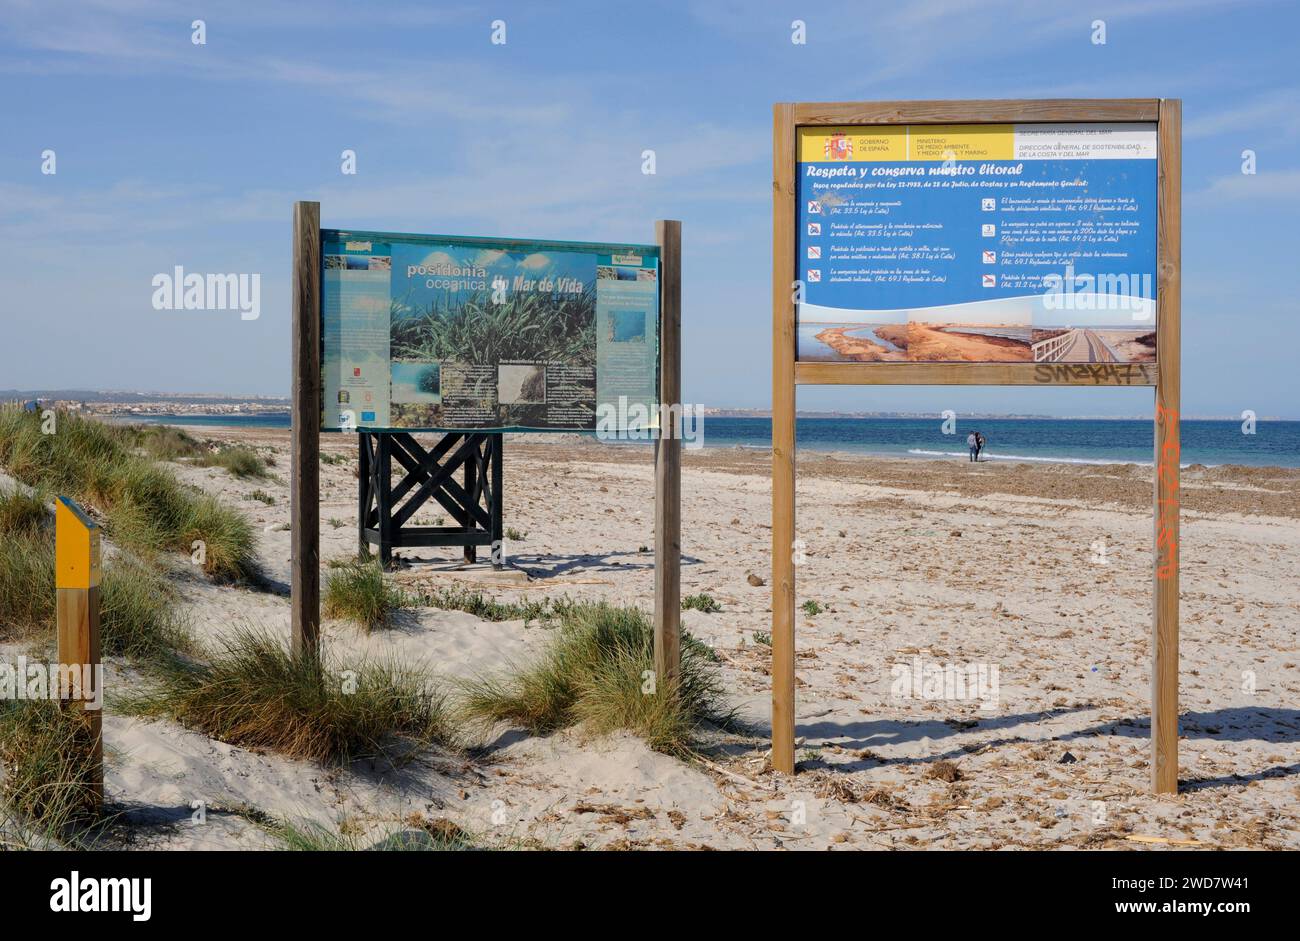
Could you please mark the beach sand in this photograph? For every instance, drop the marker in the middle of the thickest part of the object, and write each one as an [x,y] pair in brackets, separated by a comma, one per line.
[931,343]
[1043,572]
[1130,345]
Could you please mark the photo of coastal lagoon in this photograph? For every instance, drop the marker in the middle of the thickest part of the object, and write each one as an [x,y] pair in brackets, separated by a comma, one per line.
[995,331]
[847,342]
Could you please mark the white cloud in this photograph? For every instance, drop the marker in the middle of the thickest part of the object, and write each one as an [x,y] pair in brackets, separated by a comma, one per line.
[1265,117]
[1235,188]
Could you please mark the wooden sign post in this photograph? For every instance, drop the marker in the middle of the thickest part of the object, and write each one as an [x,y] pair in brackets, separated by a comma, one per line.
[304,474]
[76,583]
[668,458]
[1164,374]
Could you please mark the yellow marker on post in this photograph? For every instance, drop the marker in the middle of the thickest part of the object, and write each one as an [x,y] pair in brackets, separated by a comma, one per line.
[76,582]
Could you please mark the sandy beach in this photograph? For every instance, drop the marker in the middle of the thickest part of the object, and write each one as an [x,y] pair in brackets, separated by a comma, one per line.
[934,343]
[1039,574]
[1133,346]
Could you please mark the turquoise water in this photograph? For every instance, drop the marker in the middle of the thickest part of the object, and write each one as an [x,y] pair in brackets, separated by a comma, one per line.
[1081,441]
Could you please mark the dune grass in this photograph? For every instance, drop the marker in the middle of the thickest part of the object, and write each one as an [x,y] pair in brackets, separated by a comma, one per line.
[254,692]
[162,442]
[147,508]
[701,602]
[168,443]
[48,766]
[489,609]
[526,326]
[420,836]
[597,671]
[358,591]
[137,618]
[26,564]
[239,462]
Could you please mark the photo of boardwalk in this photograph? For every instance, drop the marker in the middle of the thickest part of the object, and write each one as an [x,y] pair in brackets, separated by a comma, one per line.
[1094,345]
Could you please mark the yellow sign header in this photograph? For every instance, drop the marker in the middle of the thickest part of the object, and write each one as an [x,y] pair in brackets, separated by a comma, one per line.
[889,143]
[76,547]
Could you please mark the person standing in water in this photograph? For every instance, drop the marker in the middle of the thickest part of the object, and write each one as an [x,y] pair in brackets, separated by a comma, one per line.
[972,442]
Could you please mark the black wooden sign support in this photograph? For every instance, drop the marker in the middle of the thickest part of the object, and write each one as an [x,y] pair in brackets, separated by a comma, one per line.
[385,509]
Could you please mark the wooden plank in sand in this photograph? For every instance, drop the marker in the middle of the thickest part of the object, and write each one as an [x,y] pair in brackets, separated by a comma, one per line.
[304,475]
[1164,640]
[668,458]
[783,452]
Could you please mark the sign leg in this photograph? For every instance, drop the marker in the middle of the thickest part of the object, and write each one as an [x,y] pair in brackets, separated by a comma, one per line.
[304,475]
[668,459]
[783,453]
[1168,453]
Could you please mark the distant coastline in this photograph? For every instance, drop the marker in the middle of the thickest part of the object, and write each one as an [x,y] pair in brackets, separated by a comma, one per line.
[201,405]
[1011,440]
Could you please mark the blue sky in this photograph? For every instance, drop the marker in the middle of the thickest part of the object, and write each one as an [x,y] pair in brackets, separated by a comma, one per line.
[175,154]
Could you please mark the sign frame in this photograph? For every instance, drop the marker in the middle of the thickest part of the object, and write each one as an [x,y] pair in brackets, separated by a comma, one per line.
[304,476]
[513,245]
[1164,375]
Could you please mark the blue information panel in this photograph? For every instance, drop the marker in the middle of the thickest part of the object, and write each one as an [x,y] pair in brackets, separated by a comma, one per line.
[443,333]
[977,243]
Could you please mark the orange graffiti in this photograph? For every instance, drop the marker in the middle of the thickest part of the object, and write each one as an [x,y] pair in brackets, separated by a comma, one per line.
[1167,497]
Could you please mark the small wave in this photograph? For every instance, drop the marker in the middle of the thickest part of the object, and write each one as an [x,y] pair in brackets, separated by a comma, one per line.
[990,456]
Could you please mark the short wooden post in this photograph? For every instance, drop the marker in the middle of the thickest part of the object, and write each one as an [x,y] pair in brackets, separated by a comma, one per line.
[304,475]
[470,553]
[76,584]
[364,496]
[496,511]
[668,458]
[1164,639]
[783,447]
[384,496]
